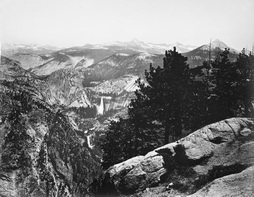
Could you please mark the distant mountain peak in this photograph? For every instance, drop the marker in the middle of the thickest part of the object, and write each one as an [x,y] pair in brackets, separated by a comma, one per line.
[136,42]
[218,43]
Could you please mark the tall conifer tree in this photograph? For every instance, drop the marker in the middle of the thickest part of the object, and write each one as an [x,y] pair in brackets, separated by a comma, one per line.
[244,88]
[164,97]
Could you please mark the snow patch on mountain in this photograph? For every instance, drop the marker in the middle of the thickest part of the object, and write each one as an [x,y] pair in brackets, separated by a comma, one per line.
[144,55]
[122,54]
[141,46]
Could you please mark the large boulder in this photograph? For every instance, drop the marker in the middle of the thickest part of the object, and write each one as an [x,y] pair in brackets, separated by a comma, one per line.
[214,151]
[135,174]
[240,184]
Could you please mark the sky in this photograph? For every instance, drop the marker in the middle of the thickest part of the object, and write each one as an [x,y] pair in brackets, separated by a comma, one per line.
[66,23]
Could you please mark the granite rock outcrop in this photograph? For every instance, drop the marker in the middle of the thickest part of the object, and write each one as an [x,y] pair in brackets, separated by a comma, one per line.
[214,155]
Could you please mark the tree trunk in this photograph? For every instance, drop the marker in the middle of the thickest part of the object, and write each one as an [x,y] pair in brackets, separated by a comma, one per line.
[178,129]
[166,134]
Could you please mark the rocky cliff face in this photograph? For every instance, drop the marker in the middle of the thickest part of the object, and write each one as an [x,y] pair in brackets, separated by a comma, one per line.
[41,153]
[69,89]
[217,159]
[111,82]
[10,69]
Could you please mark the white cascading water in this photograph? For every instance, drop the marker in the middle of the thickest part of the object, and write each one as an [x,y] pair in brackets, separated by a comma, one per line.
[89,141]
[101,107]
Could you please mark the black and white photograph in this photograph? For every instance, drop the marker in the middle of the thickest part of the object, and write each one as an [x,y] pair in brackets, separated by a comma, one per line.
[127,98]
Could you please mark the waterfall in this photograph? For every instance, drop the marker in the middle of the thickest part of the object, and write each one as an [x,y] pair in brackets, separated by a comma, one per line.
[101,107]
[89,141]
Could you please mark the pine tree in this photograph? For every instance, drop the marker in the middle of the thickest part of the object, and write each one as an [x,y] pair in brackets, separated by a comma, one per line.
[117,144]
[123,140]
[244,88]
[229,87]
[197,114]
[163,99]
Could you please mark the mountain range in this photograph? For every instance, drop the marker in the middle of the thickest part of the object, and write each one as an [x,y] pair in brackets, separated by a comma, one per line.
[80,76]
[9,49]
[140,46]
